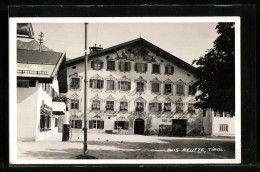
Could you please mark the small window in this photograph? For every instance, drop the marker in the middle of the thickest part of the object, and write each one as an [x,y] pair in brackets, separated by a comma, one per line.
[155,107]
[167,107]
[76,123]
[141,67]
[164,120]
[156,68]
[191,108]
[110,65]
[191,90]
[124,85]
[121,125]
[96,83]
[167,88]
[124,66]
[110,85]
[155,87]
[123,106]
[180,89]
[96,124]
[96,65]
[140,87]
[223,127]
[179,107]
[110,105]
[139,107]
[74,104]
[74,83]
[169,70]
[96,105]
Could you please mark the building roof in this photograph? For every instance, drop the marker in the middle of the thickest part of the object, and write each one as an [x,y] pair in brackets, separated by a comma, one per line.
[25,30]
[42,66]
[139,41]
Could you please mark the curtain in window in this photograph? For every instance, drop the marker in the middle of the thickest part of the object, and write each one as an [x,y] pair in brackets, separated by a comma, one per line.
[180,89]
[110,85]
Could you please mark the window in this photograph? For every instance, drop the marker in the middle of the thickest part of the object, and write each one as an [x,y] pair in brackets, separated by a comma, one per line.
[23,84]
[169,70]
[156,68]
[223,127]
[110,65]
[123,106]
[96,83]
[76,123]
[167,107]
[74,83]
[97,124]
[96,105]
[124,66]
[167,88]
[110,105]
[191,90]
[121,125]
[139,106]
[110,85]
[96,65]
[140,87]
[74,104]
[45,122]
[180,89]
[191,108]
[155,107]
[56,122]
[155,87]
[164,120]
[141,67]
[124,85]
[179,107]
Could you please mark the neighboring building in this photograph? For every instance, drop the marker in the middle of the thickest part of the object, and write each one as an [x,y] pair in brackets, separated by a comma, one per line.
[41,75]
[132,87]
[219,123]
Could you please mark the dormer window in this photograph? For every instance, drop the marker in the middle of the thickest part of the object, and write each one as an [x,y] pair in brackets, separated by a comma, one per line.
[96,65]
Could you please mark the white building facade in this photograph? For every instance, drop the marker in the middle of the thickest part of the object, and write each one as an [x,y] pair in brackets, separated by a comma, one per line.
[131,88]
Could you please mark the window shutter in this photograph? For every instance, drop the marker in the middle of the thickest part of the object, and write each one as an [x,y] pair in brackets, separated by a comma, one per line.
[79,124]
[160,107]
[118,85]
[90,83]
[135,66]
[166,69]
[92,64]
[116,124]
[145,67]
[129,85]
[119,66]
[129,66]
[80,104]
[126,125]
[131,123]
[172,69]
[102,83]
[101,65]
[101,124]
[90,126]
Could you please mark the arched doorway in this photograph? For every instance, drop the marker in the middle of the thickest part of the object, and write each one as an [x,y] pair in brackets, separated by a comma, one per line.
[139,126]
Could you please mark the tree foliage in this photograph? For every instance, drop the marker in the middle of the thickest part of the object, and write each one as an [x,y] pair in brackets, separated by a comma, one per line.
[215,74]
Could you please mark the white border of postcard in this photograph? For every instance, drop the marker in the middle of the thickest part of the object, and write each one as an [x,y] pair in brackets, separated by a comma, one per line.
[13,99]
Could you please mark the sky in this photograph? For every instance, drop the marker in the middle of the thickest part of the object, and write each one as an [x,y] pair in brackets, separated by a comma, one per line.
[187,41]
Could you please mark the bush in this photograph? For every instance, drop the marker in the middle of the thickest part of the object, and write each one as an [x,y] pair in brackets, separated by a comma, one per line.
[165,130]
[150,132]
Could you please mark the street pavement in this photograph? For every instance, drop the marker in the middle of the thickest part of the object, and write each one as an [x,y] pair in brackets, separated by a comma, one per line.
[114,146]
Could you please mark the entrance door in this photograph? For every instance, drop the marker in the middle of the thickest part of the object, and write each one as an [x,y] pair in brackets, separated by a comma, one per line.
[139,126]
[179,127]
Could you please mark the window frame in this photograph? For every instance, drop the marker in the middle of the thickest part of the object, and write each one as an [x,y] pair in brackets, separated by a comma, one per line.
[125,62]
[164,105]
[181,110]
[124,110]
[112,103]
[114,85]
[159,107]
[145,67]
[127,85]
[167,93]
[94,62]
[143,104]
[223,127]
[71,85]
[108,69]
[155,64]
[77,103]
[168,66]
[93,102]
[159,89]
[183,89]
[93,82]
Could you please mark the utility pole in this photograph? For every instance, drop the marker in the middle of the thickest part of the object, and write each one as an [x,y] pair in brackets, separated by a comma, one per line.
[40,40]
[85,149]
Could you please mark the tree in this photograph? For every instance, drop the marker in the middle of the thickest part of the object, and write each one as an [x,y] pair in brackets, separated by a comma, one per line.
[215,74]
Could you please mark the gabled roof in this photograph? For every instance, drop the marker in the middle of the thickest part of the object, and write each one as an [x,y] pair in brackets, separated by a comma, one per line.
[42,66]
[139,41]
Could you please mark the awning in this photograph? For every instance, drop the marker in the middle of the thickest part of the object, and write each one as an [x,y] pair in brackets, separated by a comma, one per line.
[59,108]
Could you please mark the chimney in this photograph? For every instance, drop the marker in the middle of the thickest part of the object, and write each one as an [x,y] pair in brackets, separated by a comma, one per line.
[95,48]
